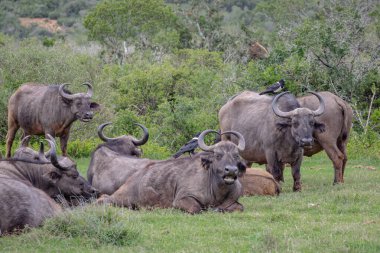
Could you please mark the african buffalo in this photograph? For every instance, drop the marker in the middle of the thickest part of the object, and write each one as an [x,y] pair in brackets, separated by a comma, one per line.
[107,171]
[192,184]
[42,110]
[58,177]
[23,205]
[259,182]
[338,121]
[276,129]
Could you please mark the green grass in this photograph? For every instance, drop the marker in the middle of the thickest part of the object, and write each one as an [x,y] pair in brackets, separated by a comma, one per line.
[322,218]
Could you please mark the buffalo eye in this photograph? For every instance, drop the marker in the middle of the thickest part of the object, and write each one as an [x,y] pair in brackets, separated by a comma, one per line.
[311,123]
[236,156]
[218,156]
[79,104]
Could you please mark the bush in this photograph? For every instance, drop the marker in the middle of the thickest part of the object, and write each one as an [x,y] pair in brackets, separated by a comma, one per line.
[363,145]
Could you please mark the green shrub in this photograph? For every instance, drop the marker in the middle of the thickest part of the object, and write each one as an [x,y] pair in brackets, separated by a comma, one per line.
[80,148]
[362,145]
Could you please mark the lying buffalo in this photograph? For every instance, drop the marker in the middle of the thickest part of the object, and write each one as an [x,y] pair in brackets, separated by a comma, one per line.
[58,177]
[338,121]
[107,170]
[275,129]
[27,188]
[259,182]
[42,110]
[205,180]
[23,205]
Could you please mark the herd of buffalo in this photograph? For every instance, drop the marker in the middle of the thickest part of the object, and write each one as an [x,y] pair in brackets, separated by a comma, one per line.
[272,130]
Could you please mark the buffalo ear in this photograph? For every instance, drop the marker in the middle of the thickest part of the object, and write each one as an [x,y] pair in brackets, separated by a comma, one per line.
[282,125]
[94,106]
[320,126]
[52,176]
[206,163]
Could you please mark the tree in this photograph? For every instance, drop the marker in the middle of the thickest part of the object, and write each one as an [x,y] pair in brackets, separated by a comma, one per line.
[119,23]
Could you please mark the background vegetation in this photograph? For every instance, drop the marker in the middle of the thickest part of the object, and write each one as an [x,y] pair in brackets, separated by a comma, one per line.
[173,66]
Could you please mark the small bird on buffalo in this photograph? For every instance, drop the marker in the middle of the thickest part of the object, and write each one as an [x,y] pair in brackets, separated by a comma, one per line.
[274,88]
[189,147]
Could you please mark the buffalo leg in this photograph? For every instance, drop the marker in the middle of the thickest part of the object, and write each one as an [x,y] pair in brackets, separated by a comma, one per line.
[342,147]
[296,173]
[236,206]
[188,204]
[12,129]
[274,167]
[64,139]
[338,158]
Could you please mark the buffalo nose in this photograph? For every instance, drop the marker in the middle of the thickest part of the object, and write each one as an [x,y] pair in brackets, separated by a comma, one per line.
[89,115]
[307,141]
[230,169]
[94,191]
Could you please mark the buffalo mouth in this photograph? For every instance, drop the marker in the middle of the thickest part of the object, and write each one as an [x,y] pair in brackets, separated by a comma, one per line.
[229,179]
[85,119]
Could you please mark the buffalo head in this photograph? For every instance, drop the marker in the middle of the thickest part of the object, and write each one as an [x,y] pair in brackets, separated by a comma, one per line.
[223,158]
[64,177]
[79,103]
[301,121]
[126,144]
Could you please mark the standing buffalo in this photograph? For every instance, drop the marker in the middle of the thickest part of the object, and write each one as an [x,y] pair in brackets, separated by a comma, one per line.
[276,130]
[107,170]
[337,120]
[192,184]
[42,110]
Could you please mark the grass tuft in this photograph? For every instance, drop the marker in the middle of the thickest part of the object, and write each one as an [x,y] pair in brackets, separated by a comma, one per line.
[94,226]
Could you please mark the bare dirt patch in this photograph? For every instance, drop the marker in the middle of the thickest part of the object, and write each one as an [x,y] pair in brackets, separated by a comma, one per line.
[48,24]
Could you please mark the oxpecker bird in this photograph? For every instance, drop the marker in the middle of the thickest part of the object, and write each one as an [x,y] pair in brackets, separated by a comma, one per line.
[274,88]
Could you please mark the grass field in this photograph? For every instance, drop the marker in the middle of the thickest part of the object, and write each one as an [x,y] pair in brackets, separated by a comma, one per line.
[322,218]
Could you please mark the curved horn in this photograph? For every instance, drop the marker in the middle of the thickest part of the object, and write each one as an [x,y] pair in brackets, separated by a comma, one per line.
[144,139]
[49,137]
[90,90]
[241,143]
[53,156]
[201,141]
[25,141]
[321,107]
[63,93]
[275,108]
[100,132]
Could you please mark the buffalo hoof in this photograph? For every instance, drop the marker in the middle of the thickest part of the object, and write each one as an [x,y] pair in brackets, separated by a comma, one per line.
[297,187]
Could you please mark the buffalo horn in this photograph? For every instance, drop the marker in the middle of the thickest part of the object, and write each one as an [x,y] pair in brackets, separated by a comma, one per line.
[100,132]
[201,141]
[276,110]
[73,96]
[53,156]
[144,139]
[241,143]
[25,141]
[321,107]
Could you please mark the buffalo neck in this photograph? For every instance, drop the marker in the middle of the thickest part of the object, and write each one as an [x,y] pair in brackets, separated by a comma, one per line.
[35,175]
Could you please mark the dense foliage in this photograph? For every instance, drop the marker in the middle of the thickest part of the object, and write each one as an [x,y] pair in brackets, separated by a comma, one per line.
[173,66]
